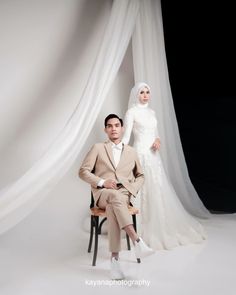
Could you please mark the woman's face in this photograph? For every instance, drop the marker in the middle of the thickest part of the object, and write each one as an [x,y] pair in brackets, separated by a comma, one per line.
[144,95]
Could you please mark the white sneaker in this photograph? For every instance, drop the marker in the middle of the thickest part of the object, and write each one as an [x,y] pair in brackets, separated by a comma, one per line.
[142,250]
[116,272]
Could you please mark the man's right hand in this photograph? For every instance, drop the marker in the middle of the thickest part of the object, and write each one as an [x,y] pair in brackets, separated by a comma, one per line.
[110,183]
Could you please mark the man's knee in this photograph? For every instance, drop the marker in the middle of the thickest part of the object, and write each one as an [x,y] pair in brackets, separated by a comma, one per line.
[115,196]
[113,193]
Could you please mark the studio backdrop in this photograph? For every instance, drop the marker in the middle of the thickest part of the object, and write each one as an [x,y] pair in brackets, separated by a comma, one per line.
[64,66]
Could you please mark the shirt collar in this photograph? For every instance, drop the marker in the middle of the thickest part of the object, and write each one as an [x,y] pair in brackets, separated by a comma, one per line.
[118,146]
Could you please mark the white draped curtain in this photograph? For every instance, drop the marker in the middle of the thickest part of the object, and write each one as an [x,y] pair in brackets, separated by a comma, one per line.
[150,66]
[127,17]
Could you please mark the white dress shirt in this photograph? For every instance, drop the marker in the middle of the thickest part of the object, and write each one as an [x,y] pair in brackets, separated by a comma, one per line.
[116,151]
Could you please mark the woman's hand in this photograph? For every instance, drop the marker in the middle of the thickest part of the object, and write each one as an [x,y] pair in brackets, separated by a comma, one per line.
[156,144]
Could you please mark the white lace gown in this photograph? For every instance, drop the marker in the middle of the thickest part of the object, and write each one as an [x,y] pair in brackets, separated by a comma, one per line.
[163,222]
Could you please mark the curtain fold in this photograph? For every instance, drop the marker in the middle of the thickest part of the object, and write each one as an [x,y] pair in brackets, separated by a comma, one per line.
[150,66]
[20,198]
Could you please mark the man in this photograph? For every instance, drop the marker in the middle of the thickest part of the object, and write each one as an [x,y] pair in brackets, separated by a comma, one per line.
[114,172]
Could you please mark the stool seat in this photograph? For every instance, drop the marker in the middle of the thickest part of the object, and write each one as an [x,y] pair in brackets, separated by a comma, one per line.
[95,211]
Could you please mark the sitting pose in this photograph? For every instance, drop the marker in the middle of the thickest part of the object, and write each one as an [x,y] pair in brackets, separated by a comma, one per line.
[115,174]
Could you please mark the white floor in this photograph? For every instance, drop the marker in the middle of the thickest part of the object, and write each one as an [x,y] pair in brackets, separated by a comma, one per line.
[208,268]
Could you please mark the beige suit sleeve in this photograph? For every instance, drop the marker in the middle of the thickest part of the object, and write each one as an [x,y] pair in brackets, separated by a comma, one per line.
[139,176]
[88,164]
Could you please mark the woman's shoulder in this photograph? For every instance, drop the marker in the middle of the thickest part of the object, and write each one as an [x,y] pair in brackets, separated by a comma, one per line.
[151,110]
[130,112]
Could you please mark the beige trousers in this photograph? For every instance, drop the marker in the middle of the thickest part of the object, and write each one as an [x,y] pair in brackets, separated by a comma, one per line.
[115,202]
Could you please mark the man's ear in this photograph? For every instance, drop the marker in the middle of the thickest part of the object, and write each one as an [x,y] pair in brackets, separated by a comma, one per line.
[105,130]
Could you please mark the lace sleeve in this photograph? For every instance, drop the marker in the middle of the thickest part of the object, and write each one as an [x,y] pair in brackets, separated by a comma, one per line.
[128,126]
[156,131]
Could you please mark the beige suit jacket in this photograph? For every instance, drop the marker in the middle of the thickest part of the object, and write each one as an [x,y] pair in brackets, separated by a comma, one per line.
[99,164]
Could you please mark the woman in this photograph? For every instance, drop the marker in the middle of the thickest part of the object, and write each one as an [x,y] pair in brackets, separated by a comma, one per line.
[163,223]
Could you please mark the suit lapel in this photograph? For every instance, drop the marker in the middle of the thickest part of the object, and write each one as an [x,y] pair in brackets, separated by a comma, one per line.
[109,153]
[123,156]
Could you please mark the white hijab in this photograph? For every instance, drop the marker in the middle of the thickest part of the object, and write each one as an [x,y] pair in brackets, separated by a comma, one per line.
[134,93]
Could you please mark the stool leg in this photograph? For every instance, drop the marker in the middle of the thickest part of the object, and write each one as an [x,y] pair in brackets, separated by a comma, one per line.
[96,240]
[100,225]
[134,222]
[135,228]
[91,234]
[128,242]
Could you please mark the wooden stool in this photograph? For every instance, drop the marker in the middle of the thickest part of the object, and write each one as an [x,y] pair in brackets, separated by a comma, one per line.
[96,213]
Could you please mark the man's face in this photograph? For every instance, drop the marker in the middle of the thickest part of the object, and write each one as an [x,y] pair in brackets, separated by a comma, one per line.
[114,130]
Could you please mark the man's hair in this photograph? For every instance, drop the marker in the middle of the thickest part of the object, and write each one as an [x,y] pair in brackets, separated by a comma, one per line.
[111,116]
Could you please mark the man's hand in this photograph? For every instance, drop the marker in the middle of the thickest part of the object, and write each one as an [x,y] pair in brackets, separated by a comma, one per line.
[110,183]
[156,145]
